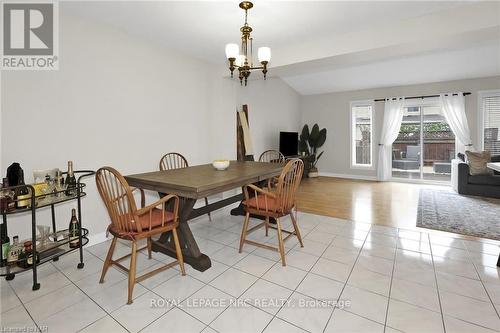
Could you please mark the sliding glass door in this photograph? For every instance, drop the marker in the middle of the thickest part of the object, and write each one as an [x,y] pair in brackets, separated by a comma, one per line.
[406,150]
[425,145]
[439,145]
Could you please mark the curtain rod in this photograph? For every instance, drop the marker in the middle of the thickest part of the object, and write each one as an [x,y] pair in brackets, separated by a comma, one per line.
[419,97]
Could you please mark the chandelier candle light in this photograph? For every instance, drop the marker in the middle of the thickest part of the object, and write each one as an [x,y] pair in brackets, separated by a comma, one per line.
[243,61]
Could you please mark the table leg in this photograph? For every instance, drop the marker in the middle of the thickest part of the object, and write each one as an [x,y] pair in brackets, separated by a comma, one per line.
[190,250]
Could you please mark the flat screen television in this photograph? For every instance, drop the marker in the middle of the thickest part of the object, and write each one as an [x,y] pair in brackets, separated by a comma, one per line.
[289,143]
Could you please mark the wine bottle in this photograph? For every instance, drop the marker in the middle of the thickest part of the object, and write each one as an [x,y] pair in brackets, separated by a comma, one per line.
[70,180]
[74,230]
[5,243]
[28,257]
[23,194]
[14,251]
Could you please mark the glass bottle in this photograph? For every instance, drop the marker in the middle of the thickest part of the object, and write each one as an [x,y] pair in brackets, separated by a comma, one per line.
[59,184]
[14,251]
[9,197]
[70,180]
[50,184]
[5,243]
[27,257]
[3,200]
[23,193]
[74,230]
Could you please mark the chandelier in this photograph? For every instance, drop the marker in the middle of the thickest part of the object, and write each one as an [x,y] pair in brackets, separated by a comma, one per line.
[244,61]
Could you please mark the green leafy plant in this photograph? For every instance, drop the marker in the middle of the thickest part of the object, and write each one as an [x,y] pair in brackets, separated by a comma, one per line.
[428,127]
[309,142]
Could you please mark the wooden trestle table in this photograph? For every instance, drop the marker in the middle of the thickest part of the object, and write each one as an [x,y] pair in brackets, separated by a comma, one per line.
[197,182]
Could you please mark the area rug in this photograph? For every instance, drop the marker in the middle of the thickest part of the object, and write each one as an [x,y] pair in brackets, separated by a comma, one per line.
[452,212]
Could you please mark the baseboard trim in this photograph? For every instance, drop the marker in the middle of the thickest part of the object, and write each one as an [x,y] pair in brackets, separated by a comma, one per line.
[347,176]
[97,238]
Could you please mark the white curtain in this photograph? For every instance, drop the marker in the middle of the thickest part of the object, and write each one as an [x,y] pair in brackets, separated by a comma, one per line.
[393,116]
[453,106]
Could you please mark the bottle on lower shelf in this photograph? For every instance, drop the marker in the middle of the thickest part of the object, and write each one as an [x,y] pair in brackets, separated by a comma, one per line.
[74,230]
[15,250]
[28,257]
[5,244]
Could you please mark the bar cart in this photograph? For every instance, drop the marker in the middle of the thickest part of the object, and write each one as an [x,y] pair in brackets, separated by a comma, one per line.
[56,243]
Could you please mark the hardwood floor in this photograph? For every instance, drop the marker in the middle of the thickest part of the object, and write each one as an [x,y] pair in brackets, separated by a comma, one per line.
[384,203]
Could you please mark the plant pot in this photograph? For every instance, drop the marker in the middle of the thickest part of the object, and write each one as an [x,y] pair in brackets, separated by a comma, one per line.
[313,173]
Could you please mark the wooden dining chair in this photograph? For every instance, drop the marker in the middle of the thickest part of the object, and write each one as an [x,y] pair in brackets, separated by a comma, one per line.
[272,156]
[132,224]
[174,160]
[276,204]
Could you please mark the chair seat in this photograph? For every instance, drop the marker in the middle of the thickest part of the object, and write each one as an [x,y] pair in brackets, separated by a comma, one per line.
[259,203]
[156,219]
[144,221]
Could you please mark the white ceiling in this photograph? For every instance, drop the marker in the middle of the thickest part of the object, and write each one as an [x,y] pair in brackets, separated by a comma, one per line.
[317,45]
[479,61]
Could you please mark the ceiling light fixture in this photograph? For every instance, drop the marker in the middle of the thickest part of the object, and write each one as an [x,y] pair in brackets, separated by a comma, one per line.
[244,61]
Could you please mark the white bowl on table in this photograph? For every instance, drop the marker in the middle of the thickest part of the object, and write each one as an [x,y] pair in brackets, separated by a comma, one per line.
[220,164]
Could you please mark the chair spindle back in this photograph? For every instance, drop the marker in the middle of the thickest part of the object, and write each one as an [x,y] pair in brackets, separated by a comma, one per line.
[118,198]
[272,156]
[172,161]
[289,182]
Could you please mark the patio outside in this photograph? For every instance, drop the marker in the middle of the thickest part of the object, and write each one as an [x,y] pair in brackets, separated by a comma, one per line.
[425,124]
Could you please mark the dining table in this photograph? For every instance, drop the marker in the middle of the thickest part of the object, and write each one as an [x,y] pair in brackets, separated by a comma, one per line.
[198,182]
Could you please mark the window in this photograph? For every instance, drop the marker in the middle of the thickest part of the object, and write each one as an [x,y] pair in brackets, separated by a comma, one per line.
[490,121]
[362,134]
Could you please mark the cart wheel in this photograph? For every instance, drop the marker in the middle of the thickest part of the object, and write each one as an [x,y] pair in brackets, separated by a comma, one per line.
[55,259]
[80,265]
[36,286]
[10,277]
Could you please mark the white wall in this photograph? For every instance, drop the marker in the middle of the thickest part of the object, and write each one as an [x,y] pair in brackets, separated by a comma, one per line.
[120,101]
[268,116]
[272,107]
[332,111]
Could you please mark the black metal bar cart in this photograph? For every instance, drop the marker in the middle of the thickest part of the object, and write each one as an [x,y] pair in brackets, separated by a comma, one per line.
[57,242]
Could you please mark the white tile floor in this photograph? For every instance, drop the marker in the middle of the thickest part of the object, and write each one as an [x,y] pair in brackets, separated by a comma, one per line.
[349,277]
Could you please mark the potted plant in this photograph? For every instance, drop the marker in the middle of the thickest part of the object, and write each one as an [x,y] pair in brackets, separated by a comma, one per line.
[309,142]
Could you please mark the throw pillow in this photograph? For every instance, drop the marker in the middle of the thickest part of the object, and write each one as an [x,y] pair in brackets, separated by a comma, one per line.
[477,163]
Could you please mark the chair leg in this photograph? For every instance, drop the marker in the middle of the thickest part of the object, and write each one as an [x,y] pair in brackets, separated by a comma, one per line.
[296,227]
[267,225]
[209,215]
[150,243]
[280,242]
[109,257]
[178,251]
[131,273]
[244,231]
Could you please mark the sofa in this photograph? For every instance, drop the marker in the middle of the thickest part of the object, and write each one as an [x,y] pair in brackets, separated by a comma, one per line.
[480,185]
[410,162]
